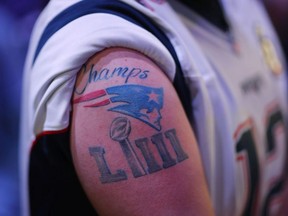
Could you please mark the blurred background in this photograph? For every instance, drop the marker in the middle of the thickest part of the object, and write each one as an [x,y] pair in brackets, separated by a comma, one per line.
[17,18]
[16,21]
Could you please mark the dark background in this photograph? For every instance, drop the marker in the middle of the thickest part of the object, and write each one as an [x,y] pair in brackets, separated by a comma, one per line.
[17,18]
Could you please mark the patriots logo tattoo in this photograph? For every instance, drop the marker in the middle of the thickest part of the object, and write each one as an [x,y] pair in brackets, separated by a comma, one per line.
[140,102]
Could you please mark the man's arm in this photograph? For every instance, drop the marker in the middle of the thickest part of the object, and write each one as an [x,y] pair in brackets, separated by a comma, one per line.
[132,146]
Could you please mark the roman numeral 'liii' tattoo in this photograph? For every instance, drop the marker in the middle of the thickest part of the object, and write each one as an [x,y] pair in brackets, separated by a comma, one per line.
[119,132]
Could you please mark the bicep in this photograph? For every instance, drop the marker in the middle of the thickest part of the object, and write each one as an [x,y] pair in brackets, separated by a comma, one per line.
[132,146]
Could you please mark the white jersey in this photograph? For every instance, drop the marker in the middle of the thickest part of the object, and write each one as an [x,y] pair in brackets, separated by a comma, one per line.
[236,80]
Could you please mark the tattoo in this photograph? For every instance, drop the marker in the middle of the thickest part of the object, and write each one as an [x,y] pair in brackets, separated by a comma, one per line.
[168,161]
[140,102]
[119,132]
[171,135]
[106,175]
[106,74]
[152,164]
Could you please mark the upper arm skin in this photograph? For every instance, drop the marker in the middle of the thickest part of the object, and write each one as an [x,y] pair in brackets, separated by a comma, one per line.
[132,146]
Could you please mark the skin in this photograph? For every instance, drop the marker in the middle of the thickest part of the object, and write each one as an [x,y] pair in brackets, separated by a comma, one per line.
[176,189]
